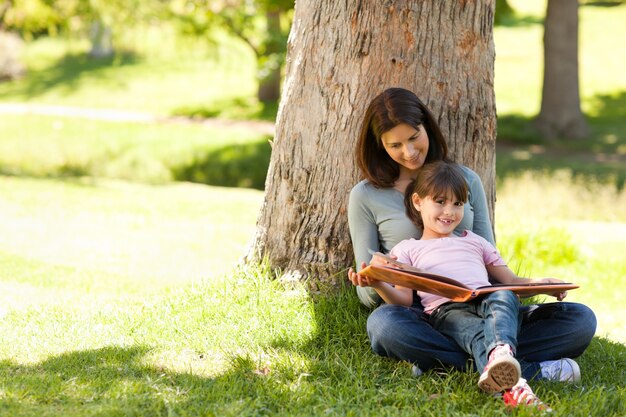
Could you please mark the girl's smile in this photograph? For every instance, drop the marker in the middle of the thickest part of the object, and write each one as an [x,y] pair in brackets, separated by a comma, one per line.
[440,215]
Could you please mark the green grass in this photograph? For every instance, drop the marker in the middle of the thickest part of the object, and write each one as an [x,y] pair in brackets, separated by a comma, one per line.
[102,236]
[120,299]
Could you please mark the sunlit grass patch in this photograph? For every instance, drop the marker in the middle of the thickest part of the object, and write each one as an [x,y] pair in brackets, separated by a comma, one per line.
[135,237]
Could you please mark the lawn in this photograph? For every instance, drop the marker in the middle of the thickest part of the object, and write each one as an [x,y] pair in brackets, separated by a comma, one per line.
[120,292]
[119,298]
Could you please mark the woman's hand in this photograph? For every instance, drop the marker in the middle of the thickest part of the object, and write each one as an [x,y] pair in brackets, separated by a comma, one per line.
[559,295]
[362,280]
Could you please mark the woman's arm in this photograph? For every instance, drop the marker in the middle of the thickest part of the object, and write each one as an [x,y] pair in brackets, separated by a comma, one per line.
[364,235]
[363,228]
[482,222]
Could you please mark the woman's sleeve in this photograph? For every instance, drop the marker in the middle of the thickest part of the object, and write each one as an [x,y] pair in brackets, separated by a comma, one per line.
[478,200]
[364,235]
[363,229]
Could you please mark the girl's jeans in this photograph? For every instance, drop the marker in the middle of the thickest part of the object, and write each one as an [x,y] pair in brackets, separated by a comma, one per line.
[547,332]
[478,326]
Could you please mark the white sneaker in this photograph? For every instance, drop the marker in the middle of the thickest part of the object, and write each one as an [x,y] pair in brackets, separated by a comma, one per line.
[566,370]
[416,371]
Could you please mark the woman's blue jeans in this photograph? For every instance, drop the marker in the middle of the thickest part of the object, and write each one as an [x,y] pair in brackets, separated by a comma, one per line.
[547,332]
[480,325]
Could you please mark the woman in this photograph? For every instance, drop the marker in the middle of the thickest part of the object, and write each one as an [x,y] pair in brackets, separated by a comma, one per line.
[397,137]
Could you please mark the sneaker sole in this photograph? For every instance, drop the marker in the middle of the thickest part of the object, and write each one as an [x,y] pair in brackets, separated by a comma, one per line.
[503,373]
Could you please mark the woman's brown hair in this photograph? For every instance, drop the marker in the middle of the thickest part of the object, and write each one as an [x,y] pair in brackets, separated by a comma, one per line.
[389,109]
[433,180]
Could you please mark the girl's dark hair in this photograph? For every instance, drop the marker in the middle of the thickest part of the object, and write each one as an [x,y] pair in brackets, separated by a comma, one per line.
[434,180]
[389,109]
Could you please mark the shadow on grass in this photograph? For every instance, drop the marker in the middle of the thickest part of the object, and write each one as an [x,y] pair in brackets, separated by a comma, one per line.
[601,156]
[240,108]
[239,165]
[236,165]
[67,72]
[332,373]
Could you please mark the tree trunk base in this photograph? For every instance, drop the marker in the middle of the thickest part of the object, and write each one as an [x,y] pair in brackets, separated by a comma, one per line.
[576,128]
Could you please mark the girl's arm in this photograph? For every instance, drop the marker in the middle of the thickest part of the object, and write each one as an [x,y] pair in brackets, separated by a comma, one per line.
[504,275]
[392,295]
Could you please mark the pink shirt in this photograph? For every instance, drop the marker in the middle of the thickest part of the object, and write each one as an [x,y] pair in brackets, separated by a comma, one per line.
[462,258]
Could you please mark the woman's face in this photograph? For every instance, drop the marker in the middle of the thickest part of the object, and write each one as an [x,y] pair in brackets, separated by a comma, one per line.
[407,146]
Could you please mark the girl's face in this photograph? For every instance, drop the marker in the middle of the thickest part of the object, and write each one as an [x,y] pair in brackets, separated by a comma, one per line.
[407,146]
[440,214]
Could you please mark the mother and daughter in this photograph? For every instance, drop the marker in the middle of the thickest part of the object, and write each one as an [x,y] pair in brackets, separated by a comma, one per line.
[417,205]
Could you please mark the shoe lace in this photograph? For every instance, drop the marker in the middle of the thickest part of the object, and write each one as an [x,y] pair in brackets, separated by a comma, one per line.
[524,395]
[521,393]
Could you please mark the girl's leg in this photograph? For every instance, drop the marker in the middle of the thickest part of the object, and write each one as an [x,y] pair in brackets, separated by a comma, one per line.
[501,315]
[479,326]
[404,333]
[553,331]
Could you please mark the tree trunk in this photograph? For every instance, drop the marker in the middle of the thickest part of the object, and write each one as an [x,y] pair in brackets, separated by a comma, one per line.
[101,40]
[560,114]
[270,62]
[340,55]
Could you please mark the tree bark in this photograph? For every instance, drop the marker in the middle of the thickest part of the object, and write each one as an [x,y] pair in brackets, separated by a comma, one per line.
[340,55]
[560,114]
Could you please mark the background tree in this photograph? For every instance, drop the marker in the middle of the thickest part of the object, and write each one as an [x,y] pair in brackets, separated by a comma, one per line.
[560,114]
[5,5]
[262,24]
[11,46]
[340,55]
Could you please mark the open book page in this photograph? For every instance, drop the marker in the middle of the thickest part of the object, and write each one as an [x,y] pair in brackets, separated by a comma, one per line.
[450,288]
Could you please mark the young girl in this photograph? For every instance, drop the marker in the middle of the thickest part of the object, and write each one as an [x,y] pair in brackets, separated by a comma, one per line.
[486,328]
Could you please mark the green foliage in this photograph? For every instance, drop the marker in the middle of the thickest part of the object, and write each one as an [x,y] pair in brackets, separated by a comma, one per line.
[504,11]
[262,25]
[38,17]
[546,246]
[33,17]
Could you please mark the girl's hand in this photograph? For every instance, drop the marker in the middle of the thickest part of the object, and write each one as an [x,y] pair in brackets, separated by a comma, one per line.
[559,295]
[362,280]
